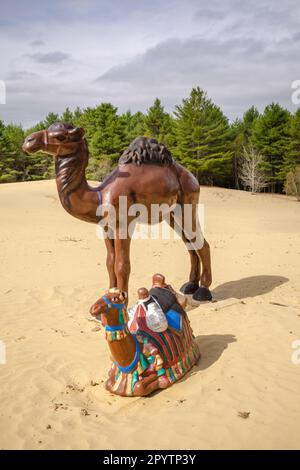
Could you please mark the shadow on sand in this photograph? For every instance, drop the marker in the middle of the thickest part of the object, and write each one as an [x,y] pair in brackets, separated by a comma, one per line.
[251,286]
[212,348]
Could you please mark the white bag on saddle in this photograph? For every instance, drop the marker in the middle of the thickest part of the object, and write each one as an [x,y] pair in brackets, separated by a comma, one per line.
[155,317]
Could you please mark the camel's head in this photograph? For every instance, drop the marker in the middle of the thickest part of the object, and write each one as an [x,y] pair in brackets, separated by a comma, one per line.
[112,297]
[60,139]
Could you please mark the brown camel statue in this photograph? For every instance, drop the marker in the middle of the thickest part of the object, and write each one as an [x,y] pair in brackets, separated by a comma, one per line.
[147,175]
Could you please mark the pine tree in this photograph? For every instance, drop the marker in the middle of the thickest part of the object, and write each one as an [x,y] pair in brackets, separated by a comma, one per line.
[271,138]
[159,125]
[40,165]
[105,132]
[51,118]
[7,171]
[199,136]
[249,119]
[12,159]
[108,132]
[241,133]
[67,116]
[76,116]
[291,158]
[237,143]
[134,125]
[203,138]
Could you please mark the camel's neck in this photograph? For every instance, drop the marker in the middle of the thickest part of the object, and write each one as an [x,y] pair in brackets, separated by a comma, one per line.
[121,342]
[74,192]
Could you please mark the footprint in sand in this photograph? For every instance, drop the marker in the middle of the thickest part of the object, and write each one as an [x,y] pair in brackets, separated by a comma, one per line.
[20,338]
[244,414]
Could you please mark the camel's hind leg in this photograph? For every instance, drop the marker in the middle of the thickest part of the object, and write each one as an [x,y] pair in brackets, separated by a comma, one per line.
[188,198]
[187,225]
[194,278]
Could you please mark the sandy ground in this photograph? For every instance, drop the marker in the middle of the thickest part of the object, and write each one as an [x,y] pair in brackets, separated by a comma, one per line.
[52,268]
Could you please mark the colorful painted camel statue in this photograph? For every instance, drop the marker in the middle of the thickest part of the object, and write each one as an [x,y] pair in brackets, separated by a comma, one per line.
[146,358]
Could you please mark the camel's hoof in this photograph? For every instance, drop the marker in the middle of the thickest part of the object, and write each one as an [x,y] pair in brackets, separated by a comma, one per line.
[202,294]
[189,288]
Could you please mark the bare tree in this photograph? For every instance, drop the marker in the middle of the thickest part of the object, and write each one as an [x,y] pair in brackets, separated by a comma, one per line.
[292,184]
[250,172]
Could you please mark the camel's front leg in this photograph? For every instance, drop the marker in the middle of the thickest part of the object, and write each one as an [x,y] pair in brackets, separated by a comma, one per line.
[204,254]
[122,262]
[110,260]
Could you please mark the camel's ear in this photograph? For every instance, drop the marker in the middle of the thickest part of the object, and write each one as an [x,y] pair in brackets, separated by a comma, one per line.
[77,132]
[113,293]
[123,295]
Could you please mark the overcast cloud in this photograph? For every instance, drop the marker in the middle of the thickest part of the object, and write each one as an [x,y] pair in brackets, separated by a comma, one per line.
[81,52]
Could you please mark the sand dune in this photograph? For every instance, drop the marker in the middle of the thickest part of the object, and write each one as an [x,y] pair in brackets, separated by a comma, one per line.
[52,269]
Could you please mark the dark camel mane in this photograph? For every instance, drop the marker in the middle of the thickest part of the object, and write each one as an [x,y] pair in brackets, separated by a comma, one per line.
[143,150]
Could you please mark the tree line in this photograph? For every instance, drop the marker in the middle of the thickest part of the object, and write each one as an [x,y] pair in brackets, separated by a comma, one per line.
[198,134]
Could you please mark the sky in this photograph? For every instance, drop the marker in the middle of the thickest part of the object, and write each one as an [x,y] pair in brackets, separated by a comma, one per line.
[72,53]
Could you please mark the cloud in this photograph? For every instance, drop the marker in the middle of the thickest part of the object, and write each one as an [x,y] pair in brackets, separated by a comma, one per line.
[82,52]
[37,43]
[49,57]
[208,14]
[236,74]
[20,75]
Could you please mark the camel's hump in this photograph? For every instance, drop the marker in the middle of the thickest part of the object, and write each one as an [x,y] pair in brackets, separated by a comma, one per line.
[143,150]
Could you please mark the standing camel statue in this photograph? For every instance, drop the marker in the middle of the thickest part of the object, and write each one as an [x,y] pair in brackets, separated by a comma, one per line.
[147,175]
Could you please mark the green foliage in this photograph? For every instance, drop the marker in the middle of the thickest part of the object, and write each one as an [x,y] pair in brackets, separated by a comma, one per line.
[249,120]
[67,116]
[134,125]
[271,138]
[292,157]
[40,165]
[108,138]
[51,118]
[159,125]
[198,135]
[203,138]
[15,165]
[12,159]
[77,116]
[105,131]
[98,169]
